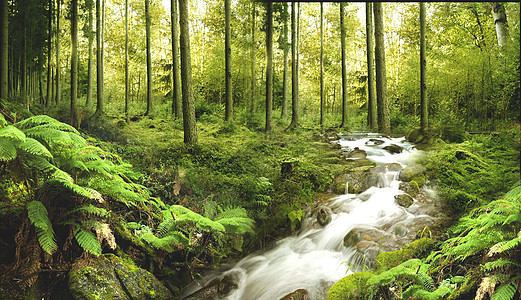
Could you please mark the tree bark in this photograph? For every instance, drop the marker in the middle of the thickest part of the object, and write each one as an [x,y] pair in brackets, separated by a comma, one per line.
[284,109]
[74,63]
[49,45]
[371,101]
[189,125]
[294,71]
[4,50]
[228,61]
[149,58]
[500,20]
[88,102]
[100,104]
[58,65]
[269,65]
[344,68]
[252,100]
[127,84]
[322,100]
[424,124]
[384,125]
[177,106]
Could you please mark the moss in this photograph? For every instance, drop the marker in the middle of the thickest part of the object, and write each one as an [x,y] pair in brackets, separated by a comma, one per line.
[387,260]
[350,287]
[468,289]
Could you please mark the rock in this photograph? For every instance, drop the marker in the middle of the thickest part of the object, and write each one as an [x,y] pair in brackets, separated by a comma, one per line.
[413,173]
[410,188]
[228,284]
[393,149]
[110,277]
[335,146]
[357,163]
[357,153]
[394,167]
[339,184]
[404,200]
[415,136]
[324,215]
[359,234]
[217,288]
[374,142]
[356,182]
[209,291]
[300,294]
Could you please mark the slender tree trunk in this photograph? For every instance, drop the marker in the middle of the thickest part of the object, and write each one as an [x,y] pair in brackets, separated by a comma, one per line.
[424,123]
[322,100]
[100,102]
[49,46]
[269,65]
[294,71]
[252,100]
[88,103]
[24,70]
[500,19]
[177,106]
[371,102]
[189,126]
[4,50]
[384,125]
[284,109]
[74,63]
[58,65]
[127,83]
[344,68]
[228,61]
[149,59]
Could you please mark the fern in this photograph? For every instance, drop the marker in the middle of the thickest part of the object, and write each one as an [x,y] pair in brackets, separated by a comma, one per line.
[34,147]
[93,210]
[7,150]
[498,264]
[37,214]
[183,215]
[235,220]
[426,281]
[174,241]
[87,240]
[505,292]
[13,133]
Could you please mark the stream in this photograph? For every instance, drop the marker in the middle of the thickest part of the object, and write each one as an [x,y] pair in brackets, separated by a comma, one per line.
[361,226]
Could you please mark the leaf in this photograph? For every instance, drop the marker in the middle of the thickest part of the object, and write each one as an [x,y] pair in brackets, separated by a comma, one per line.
[37,214]
[7,150]
[34,147]
[13,133]
[88,241]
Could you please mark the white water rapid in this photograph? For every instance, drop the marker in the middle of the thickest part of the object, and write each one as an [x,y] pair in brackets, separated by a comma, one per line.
[316,257]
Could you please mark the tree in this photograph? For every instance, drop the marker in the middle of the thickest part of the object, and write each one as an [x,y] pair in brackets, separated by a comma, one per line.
[100,106]
[90,32]
[228,62]
[424,124]
[252,100]
[149,58]
[58,64]
[294,71]
[49,44]
[127,83]
[177,108]
[371,101]
[500,20]
[74,63]
[269,64]
[285,46]
[322,100]
[189,126]
[384,125]
[4,51]
[344,68]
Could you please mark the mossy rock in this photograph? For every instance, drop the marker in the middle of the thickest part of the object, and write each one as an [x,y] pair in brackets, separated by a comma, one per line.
[413,173]
[110,277]
[404,200]
[300,294]
[350,287]
[387,260]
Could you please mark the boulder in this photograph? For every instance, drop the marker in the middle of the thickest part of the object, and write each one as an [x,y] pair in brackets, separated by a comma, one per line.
[324,215]
[404,200]
[410,188]
[393,149]
[394,167]
[110,277]
[217,288]
[374,142]
[300,294]
[358,163]
[338,186]
[357,153]
[413,173]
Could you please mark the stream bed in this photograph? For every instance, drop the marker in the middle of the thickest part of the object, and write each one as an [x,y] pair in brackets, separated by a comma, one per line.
[356,228]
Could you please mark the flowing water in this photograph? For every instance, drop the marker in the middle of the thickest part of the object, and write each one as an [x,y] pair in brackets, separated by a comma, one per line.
[316,257]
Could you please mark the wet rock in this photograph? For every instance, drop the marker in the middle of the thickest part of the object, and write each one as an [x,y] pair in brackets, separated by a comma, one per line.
[356,235]
[339,184]
[300,294]
[404,200]
[228,284]
[393,149]
[414,225]
[209,291]
[374,142]
[394,167]
[413,173]
[356,182]
[335,146]
[410,188]
[357,153]
[357,163]
[217,288]
[110,277]
[324,215]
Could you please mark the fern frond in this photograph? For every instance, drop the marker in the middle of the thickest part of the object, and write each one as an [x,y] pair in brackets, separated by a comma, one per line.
[183,214]
[511,244]
[497,264]
[505,292]
[3,122]
[34,147]
[88,241]
[176,240]
[79,190]
[13,133]
[37,214]
[426,281]
[93,210]
[165,227]
[7,150]
[513,195]
[236,220]
[45,120]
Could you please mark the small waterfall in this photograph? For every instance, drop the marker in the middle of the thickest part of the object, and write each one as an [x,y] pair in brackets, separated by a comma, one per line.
[361,226]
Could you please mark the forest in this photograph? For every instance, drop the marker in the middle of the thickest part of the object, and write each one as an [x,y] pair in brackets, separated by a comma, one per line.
[207,149]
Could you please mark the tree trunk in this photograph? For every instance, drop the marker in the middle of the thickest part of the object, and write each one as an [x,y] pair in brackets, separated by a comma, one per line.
[228,61]
[284,109]
[424,124]
[294,71]
[49,44]
[384,125]
[149,58]
[24,70]
[371,101]
[58,65]
[177,106]
[269,65]
[74,63]
[100,104]
[322,100]
[127,87]
[189,126]
[344,69]
[500,19]
[4,50]
[88,103]
[252,100]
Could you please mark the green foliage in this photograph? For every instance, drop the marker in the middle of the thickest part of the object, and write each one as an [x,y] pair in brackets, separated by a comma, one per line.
[350,287]
[37,213]
[87,240]
[386,260]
